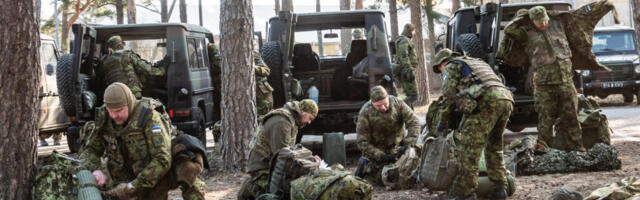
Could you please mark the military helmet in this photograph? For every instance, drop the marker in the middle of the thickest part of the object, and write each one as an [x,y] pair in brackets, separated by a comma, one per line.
[538,14]
[378,93]
[309,106]
[115,42]
[521,12]
[442,55]
[357,34]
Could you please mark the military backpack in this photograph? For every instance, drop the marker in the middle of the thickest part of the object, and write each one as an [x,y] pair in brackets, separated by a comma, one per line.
[329,185]
[287,164]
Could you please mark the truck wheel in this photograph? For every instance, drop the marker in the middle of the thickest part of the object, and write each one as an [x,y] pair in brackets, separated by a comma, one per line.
[628,97]
[201,130]
[64,79]
[638,97]
[73,138]
[272,56]
[470,45]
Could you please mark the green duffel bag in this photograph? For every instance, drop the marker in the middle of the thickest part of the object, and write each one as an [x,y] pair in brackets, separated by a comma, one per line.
[485,186]
[330,185]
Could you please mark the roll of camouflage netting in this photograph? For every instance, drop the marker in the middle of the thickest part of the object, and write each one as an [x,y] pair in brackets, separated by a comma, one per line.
[87,189]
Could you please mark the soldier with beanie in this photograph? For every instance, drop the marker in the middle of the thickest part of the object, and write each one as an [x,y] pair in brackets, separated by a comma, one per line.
[381,132]
[278,129]
[407,59]
[135,140]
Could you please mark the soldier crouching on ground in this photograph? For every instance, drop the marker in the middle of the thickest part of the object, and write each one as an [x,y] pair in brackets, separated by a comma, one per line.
[136,140]
[278,129]
[486,104]
[125,66]
[381,136]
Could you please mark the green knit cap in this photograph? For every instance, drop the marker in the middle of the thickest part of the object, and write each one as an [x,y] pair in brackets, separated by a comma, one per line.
[118,95]
[378,93]
[309,106]
[538,14]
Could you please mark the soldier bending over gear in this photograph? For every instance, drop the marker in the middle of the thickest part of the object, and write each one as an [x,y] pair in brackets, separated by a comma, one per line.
[278,129]
[380,130]
[136,140]
[486,104]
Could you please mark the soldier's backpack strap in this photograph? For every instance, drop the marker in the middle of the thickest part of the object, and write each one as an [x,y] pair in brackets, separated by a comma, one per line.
[466,70]
[145,113]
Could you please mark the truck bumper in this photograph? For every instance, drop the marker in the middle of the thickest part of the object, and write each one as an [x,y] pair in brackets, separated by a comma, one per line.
[610,87]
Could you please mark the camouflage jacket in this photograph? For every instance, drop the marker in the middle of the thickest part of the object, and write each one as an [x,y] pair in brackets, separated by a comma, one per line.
[578,24]
[262,71]
[127,67]
[215,61]
[405,55]
[383,133]
[456,84]
[277,129]
[138,151]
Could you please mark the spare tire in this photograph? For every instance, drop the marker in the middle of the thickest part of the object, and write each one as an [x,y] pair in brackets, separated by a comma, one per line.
[272,56]
[470,44]
[64,79]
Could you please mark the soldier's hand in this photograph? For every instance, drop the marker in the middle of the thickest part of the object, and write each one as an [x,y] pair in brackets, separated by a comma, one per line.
[389,158]
[99,176]
[122,191]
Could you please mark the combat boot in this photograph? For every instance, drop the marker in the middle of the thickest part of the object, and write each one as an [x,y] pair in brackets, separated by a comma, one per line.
[498,193]
[43,143]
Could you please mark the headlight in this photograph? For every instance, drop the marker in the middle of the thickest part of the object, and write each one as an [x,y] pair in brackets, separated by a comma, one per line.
[586,73]
[636,69]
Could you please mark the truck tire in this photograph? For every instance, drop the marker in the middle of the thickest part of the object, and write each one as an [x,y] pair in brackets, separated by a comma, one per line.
[64,79]
[638,97]
[470,45]
[73,138]
[628,97]
[516,129]
[201,130]
[272,56]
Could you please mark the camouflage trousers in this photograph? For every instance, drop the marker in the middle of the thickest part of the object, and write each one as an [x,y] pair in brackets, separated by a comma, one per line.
[373,173]
[56,136]
[264,102]
[557,105]
[410,91]
[482,130]
[255,185]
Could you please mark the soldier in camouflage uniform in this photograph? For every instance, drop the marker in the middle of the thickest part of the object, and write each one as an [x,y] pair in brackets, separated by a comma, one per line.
[125,66]
[278,129]
[216,79]
[137,142]
[555,95]
[381,135]
[408,60]
[264,96]
[486,104]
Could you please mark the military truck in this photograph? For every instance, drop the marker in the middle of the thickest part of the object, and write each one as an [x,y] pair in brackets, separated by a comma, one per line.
[477,32]
[52,117]
[342,78]
[186,89]
[616,48]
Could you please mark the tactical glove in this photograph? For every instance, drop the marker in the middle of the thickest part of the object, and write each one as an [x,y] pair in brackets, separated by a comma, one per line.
[122,191]
[402,149]
[389,158]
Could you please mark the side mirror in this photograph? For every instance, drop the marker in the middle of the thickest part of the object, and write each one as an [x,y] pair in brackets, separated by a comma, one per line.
[331,35]
[49,69]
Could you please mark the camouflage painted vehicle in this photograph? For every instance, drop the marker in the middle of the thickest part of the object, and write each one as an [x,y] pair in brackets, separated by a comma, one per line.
[186,89]
[616,48]
[52,116]
[476,32]
[343,79]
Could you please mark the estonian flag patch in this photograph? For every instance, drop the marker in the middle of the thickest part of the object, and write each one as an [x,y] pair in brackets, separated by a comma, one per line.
[156,129]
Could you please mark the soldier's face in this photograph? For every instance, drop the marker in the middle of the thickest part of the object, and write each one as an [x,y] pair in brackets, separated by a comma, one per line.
[541,25]
[442,66]
[382,105]
[306,119]
[119,115]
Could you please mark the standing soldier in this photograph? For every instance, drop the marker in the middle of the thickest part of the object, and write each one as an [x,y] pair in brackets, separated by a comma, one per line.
[136,140]
[381,135]
[486,104]
[278,129]
[216,79]
[407,60]
[125,66]
[555,97]
[264,96]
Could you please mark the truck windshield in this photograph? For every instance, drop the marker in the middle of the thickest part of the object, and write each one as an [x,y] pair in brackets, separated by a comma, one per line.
[613,42]
[331,46]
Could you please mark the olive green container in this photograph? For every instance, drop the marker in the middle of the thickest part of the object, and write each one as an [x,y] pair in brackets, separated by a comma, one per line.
[333,148]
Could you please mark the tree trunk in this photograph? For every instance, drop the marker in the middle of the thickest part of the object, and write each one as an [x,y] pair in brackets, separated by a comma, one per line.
[238,94]
[19,84]
[131,11]
[421,73]
[277,7]
[64,38]
[345,34]
[164,16]
[636,19]
[434,79]
[359,5]
[455,6]
[119,12]
[183,11]
[393,12]
[287,5]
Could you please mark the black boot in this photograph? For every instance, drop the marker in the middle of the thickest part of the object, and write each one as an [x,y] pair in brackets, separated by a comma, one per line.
[498,193]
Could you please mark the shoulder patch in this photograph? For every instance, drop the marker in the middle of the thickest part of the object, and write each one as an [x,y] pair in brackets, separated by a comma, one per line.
[156,129]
